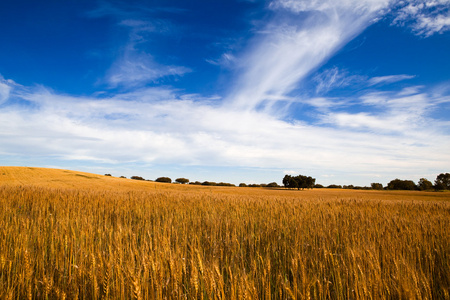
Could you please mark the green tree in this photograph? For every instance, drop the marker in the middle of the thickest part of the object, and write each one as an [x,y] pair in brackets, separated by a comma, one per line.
[442,182]
[398,184]
[334,186]
[376,186]
[212,183]
[290,182]
[182,180]
[164,179]
[424,184]
[298,182]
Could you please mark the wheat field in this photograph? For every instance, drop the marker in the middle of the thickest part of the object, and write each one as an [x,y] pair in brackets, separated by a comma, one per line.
[73,235]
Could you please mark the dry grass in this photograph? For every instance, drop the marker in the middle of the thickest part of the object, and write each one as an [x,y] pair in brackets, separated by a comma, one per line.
[66,235]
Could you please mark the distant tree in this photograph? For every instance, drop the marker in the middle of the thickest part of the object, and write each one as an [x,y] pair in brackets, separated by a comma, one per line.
[361,188]
[122,177]
[254,185]
[211,183]
[273,185]
[309,182]
[349,187]
[290,182]
[442,182]
[137,178]
[242,185]
[164,179]
[376,186]
[318,186]
[298,182]
[107,174]
[196,183]
[398,184]
[424,184]
[225,184]
[334,186]
[182,180]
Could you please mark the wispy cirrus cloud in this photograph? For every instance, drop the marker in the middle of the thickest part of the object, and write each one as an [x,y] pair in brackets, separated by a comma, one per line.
[389,79]
[135,68]
[334,78]
[287,51]
[425,17]
[134,65]
[6,85]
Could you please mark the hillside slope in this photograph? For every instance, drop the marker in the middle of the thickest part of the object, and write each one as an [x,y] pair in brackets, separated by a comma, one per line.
[58,178]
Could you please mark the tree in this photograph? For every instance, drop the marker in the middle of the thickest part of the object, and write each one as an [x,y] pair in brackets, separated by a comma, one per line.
[242,185]
[182,180]
[424,184]
[298,182]
[107,174]
[225,184]
[137,178]
[164,179]
[212,183]
[376,186]
[442,182]
[254,185]
[272,185]
[290,182]
[398,184]
[334,186]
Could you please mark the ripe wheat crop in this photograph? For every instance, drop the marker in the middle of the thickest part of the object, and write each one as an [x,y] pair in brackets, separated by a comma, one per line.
[122,240]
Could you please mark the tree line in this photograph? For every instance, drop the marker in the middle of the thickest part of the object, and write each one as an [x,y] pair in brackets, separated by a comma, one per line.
[442,182]
[300,182]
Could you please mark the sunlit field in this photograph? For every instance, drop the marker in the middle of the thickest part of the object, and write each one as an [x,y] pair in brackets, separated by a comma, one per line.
[73,235]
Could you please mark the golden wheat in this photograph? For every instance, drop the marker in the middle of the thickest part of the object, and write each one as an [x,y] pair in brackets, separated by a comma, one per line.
[120,239]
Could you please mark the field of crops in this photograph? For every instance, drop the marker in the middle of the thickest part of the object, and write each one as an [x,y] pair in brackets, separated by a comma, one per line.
[72,235]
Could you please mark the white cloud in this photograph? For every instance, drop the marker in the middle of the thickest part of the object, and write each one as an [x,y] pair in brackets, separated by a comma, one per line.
[290,47]
[425,17]
[226,60]
[430,25]
[5,89]
[136,68]
[334,78]
[389,79]
[161,126]
[324,5]
[395,114]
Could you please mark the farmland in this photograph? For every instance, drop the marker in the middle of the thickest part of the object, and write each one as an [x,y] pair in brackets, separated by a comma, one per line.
[69,235]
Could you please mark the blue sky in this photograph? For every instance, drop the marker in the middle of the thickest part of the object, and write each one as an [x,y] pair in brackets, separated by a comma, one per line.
[349,92]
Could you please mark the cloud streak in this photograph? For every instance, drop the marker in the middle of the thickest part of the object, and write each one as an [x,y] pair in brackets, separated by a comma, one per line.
[389,79]
[136,69]
[287,52]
